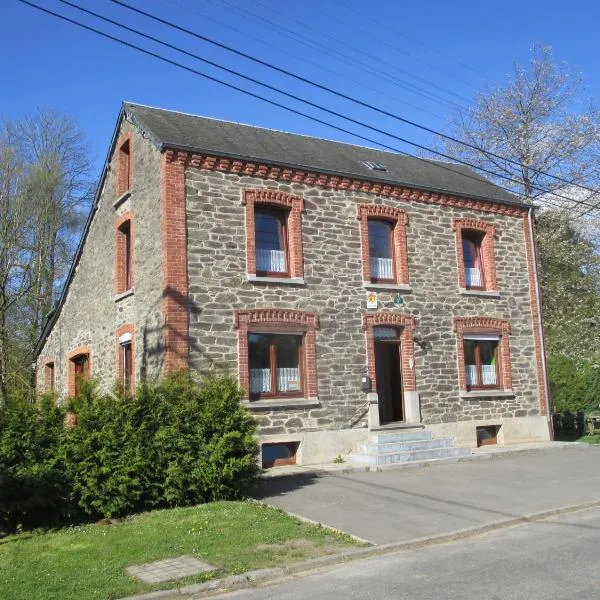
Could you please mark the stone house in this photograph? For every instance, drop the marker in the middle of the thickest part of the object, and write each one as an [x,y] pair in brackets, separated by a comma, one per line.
[350,289]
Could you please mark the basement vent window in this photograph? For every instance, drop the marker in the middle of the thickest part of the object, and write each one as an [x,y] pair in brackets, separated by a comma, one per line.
[487,435]
[277,455]
[374,166]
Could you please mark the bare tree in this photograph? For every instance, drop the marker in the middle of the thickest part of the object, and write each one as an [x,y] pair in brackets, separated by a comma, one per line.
[536,122]
[45,186]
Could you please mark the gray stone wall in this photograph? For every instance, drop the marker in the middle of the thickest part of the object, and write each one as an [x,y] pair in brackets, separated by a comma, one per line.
[92,312]
[334,289]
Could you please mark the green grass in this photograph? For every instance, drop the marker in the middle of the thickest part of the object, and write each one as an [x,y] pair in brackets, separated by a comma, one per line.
[590,439]
[88,561]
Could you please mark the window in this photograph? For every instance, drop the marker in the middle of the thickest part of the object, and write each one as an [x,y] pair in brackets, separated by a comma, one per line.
[383,239]
[273,235]
[475,253]
[472,260]
[483,353]
[124,253]
[271,242]
[126,365]
[124,167]
[81,368]
[126,356]
[275,364]
[277,349]
[381,250]
[50,377]
[481,362]
[276,455]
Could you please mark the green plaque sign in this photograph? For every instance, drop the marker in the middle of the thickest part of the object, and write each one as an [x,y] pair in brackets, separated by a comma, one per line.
[398,300]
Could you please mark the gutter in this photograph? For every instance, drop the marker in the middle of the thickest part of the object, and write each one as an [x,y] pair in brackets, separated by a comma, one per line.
[540,324]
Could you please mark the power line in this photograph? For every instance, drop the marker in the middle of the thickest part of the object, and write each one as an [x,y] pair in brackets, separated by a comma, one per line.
[252,94]
[304,59]
[359,103]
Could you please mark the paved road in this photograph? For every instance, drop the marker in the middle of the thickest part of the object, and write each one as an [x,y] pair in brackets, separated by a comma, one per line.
[400,505]
[551,560]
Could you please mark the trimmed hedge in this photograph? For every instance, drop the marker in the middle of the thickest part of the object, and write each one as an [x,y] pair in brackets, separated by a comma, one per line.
[172,444]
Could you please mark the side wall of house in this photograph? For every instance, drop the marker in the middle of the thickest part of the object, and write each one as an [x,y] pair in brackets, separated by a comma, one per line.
[333,288]
[93,311]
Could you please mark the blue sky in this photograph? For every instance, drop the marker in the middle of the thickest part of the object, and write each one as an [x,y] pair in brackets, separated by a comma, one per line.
[412,58]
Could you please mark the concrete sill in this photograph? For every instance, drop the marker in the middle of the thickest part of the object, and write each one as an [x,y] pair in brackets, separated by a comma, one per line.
[284,280]
[487,394]
[121,199]
[125,294]
[281,403]
[480,293]
[392,287]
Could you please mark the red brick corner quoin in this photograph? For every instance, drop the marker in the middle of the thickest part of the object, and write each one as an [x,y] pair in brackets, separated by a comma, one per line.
[294,205]
[487,249]
[407,345]
[399,219]
[175,276]
[278,319]
[482,325]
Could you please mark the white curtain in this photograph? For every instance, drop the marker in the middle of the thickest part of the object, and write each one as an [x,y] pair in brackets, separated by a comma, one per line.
[288,379]
[270,260]
[473,277]
[382,268]
[260,381]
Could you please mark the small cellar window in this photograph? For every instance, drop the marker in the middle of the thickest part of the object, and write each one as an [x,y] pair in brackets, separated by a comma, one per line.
[487,435]
[279,454]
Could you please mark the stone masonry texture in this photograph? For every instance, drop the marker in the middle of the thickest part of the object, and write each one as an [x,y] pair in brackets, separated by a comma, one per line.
[93,312]
[334,290]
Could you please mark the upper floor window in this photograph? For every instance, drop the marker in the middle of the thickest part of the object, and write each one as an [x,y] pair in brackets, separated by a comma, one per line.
[475,253]
[473,260]
[273,234]
[124,167]
[271,242]
[384,247]
[124,254]
[381,250]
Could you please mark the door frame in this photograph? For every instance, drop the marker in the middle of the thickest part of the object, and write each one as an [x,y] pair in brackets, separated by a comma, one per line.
[397,342]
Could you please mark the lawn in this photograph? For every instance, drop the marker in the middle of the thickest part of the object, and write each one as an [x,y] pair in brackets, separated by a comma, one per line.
[590,439]
[88,561]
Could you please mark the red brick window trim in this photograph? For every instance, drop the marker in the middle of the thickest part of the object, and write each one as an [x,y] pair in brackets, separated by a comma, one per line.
[398,220]
[124,164]
[288,209]
[124,253]
[279,321]
[482,327]
[125,356]
[407,324]
[79,367]
[49,364]
[476,271]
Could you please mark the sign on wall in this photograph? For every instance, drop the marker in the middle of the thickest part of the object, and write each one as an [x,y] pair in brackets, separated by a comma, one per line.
[371,299]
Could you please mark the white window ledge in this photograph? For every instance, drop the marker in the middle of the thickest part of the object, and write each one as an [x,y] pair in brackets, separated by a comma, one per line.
[487,394]
[121,199]
[125,294]
[284,280]
[394,287]
[281,403]
[480,293]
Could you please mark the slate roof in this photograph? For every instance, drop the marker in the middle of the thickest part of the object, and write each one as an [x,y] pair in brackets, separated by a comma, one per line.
[176,130]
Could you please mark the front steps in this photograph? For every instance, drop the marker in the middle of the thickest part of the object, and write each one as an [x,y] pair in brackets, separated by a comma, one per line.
[401,447]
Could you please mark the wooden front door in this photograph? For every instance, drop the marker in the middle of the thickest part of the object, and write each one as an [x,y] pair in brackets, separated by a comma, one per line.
[389,375]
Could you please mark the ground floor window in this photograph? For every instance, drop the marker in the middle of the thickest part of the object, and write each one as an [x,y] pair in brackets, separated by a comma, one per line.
[126,365]
[275,362]
[481,362]
[81,368]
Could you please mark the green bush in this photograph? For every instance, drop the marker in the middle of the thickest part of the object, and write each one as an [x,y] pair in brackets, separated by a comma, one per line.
[173,444]
[574,384]
[34,490]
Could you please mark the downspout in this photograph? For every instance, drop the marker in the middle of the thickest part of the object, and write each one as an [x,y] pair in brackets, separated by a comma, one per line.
[539,320]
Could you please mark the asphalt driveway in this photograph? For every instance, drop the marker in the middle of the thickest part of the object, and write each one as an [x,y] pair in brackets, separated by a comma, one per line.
[407,504]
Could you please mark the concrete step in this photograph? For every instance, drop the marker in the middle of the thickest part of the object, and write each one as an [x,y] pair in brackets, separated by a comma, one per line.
[399,436]
[388,458]
[406,446]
